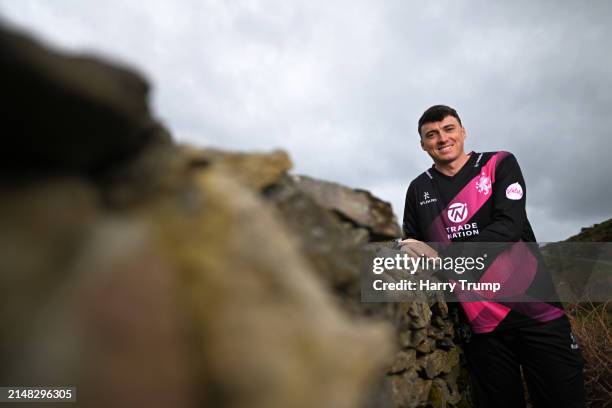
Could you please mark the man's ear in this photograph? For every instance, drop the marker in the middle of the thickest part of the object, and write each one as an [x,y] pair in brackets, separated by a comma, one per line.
[422,144]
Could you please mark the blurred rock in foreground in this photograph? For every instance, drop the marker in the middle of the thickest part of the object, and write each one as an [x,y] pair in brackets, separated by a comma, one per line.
[150,274]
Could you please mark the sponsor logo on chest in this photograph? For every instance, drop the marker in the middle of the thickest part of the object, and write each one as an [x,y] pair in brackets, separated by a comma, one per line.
[457,213]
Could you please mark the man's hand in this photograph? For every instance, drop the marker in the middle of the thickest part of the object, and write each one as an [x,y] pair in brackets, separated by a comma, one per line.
[416,248]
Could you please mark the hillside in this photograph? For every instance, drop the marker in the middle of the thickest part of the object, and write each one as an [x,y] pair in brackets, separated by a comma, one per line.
[601,232]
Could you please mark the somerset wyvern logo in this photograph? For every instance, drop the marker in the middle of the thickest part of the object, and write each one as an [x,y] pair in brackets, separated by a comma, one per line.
[427,200]
[483,185]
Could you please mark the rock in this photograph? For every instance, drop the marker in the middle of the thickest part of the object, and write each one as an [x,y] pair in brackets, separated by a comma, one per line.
[270,335]
[133,348]
[409,390]
[255,170]
[263,331]
[404,360]
[439,394]
[445,343]
[69,114]
[415,315]
[426,346]
[440,309]
[438,362]
[358,206]
[435,332]
[438,322]
[455,395]
[332,248]
[43,225]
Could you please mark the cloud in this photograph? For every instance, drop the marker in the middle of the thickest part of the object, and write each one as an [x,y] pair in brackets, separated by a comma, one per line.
[341,84]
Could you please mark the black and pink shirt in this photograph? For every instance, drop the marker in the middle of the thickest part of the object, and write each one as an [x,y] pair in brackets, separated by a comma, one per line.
[483,202]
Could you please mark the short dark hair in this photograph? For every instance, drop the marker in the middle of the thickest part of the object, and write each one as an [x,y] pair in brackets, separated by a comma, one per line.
[437,113]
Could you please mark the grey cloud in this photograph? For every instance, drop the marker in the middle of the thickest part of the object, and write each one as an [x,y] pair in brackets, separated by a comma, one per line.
[341,84]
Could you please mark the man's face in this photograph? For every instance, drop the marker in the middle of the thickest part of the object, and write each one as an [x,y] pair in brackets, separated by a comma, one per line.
[443,140]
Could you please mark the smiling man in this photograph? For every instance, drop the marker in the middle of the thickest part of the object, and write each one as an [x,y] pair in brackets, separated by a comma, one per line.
[480,197]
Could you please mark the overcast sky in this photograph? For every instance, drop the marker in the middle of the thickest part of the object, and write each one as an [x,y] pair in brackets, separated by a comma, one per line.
[341,84]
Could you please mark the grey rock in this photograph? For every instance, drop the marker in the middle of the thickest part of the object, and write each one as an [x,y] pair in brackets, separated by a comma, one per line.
[358,206]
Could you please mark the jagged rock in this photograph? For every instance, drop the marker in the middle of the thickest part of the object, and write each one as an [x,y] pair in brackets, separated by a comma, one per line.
[426,346]
[415,315]
[435,332]
[404,360]
[420,314]
[439,309]
[255,170]
[439,394]
[451,379]
[438,361]
[358,206]
[69,113]
[445,343]
[409,390]
[438,322]
[332,247]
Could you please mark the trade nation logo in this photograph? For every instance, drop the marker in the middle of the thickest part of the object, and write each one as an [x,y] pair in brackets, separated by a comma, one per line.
[457,212]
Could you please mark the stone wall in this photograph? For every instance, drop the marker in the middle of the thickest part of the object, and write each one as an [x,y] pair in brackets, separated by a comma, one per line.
[148,273]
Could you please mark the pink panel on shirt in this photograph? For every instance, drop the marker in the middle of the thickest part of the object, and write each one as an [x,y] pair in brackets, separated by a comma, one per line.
[482,315]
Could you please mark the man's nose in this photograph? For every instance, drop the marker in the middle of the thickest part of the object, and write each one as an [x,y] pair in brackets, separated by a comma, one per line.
[443,138]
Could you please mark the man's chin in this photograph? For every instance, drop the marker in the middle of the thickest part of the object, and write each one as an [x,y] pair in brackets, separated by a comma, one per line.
[445,159]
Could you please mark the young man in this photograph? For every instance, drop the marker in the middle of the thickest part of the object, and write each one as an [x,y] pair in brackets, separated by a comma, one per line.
[480,197]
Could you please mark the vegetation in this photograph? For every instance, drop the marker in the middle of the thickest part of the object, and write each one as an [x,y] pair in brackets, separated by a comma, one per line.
[592,326]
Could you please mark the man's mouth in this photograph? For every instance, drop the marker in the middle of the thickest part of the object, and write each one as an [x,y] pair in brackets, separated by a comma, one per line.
[444,149]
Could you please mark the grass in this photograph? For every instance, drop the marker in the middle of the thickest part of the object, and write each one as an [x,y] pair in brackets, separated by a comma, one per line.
[592,326]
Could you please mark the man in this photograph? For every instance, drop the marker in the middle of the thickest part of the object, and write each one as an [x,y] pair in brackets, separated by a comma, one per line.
[480,197]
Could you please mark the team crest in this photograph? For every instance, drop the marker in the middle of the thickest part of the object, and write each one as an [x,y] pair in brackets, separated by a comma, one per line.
[483,185]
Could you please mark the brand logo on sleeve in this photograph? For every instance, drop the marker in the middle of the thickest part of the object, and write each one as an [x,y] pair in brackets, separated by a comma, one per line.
[426,199]
[514,191]
[457,212]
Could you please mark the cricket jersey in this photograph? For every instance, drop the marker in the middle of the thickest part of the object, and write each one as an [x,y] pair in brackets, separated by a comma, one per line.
[484,202]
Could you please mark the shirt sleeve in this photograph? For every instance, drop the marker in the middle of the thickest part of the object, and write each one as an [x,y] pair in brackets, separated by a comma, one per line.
[410,226]
[509,195]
